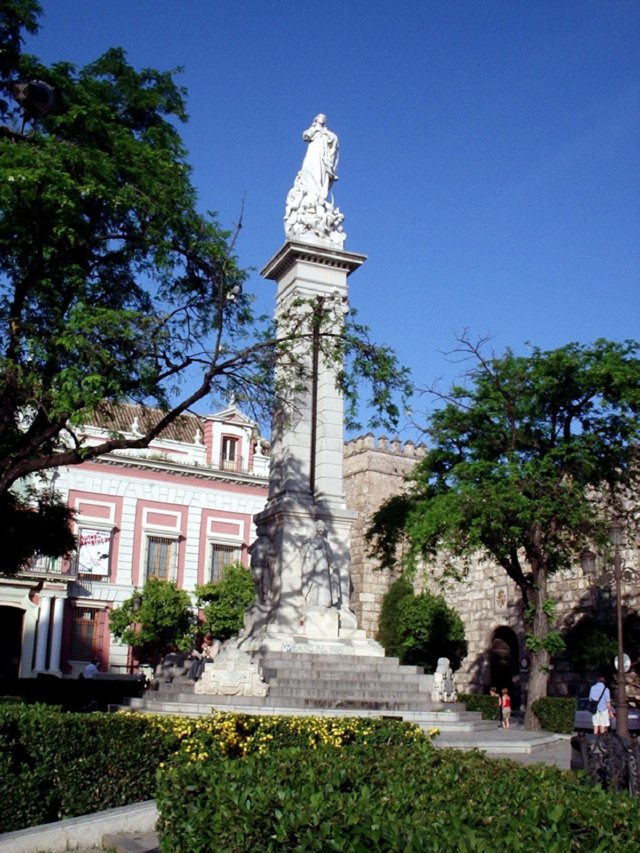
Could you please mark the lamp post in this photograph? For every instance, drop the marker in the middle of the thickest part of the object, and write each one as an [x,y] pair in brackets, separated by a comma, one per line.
[617,575]
[616,535]
[136,604]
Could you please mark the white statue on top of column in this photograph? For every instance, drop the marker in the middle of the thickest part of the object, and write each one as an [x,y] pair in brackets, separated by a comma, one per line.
[321,160]
[309,213]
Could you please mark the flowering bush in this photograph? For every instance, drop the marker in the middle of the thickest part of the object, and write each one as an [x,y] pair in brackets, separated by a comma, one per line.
[239,735]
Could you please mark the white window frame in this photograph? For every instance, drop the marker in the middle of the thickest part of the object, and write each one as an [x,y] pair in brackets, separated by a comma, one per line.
[232,461]
[234,549]
[78,654]
[158,535]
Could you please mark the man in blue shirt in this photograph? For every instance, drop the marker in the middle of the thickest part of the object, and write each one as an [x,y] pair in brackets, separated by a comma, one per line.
[599,693]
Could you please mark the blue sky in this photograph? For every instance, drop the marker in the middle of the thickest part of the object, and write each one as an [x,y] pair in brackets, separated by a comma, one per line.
[489,151]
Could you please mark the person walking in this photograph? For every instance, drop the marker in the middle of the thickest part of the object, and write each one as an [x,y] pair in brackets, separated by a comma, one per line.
[505,704]
[495,695]
[600,706]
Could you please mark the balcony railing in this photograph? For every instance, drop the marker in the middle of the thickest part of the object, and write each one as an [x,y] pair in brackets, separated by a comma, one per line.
[237,465]
[50,567]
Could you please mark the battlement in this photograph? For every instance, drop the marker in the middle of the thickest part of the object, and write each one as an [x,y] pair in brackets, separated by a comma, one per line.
[382,444]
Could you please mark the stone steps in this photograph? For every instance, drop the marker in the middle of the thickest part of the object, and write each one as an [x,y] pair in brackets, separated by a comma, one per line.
[455,721]
[340,681]
[335,685]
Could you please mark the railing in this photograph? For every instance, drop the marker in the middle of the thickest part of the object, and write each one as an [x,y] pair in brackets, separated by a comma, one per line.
[236,465]
[49,567]
[611,760]
[59,567]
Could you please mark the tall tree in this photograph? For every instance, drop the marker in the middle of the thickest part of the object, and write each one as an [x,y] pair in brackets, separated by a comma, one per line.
[529,459]
[113,286]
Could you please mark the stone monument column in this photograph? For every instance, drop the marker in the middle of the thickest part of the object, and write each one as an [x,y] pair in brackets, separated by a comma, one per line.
[304,529]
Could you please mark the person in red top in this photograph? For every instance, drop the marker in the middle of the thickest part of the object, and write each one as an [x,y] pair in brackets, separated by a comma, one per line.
[505,703]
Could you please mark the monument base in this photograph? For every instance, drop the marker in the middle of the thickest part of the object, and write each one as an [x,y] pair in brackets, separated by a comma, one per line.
[232,673]
[305,629]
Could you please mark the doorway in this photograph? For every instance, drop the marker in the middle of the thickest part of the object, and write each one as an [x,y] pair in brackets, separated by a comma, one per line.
[504,662]
[11,619]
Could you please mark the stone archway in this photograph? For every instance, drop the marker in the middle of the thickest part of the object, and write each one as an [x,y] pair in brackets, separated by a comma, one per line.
[12,619]
[504,662]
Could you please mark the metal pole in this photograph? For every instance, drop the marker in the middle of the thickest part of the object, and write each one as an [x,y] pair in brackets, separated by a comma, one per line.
[622,709]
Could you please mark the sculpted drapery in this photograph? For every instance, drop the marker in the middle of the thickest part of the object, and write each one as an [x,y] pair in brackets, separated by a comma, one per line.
[309,212]
[321,160]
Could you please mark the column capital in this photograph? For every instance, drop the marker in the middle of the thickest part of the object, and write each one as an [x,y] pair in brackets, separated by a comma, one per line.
[292,253]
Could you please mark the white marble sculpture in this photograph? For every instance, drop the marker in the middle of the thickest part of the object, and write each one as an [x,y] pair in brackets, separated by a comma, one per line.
[444,688]
[320,579]
[262,560]
[309,213]
[232,673]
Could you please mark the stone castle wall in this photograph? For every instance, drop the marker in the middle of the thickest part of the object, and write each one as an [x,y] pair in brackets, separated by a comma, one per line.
[488,602]
[374,470]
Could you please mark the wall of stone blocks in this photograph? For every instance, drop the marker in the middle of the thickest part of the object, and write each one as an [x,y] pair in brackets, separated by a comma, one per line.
[487,600]
[374,470]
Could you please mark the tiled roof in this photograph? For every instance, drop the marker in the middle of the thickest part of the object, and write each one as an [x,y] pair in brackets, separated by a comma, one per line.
[121,418]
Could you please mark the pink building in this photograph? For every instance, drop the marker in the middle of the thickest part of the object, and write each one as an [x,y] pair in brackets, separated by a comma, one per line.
[179,510]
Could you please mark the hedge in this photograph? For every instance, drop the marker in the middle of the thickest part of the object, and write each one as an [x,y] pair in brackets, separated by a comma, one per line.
[405,797]
[487,705]
[55,764]
[556,714]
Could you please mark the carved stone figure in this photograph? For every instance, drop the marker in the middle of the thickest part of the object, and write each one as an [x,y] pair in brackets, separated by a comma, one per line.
[308,211]
[320,580]
[319,166]
[262,557]
[444,689]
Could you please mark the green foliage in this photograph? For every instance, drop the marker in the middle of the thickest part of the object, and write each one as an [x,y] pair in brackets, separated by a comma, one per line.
[487,705]
[526,458]
[389,631]
[115,288]
[163,619]
[57,765]
[364,798]
[556,714]
[420,628]
[226,601]
[552,642]
[12,700]
[592,644]
[34,523]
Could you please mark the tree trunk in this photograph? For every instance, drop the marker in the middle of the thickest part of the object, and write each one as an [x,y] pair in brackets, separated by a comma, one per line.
[539,671]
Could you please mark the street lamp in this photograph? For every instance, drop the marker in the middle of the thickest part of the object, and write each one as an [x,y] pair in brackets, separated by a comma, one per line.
[616,535]
[136,604]
[617,575]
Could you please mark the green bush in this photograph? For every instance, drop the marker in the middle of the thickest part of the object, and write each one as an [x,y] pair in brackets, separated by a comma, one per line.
[389,632]
[226,601]
[55,765]
[487,705]
[419,629]
[12,700]
[154,619]
[407,797]
[555,713]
